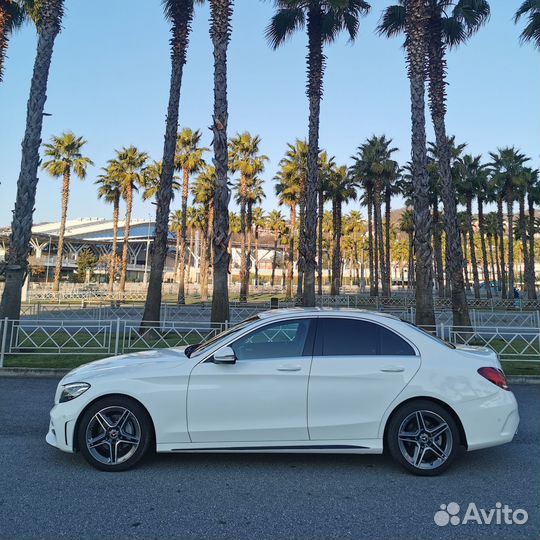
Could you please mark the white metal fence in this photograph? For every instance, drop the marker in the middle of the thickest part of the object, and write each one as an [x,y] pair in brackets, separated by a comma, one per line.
[91,338]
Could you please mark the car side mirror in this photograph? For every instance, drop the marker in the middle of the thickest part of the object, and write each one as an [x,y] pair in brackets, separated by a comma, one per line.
[225,355]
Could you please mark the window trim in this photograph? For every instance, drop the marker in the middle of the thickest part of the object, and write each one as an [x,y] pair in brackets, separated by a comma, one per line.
[308,345]
[318,350]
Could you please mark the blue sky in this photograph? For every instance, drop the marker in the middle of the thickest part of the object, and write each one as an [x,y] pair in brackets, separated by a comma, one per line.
[110,74]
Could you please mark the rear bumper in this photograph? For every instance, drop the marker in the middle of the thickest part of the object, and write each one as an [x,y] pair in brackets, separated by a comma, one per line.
[489,421]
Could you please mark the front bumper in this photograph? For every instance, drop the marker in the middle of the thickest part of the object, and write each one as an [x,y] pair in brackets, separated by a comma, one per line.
[61,428]
[489,421]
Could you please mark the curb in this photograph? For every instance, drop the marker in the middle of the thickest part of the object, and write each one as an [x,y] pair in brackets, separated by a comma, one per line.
[33,372]
[59,372]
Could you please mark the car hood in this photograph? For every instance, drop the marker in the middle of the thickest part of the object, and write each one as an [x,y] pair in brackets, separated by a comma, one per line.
[126,364]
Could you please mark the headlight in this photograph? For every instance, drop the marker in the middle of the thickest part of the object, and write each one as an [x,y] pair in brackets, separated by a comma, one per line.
[73,390]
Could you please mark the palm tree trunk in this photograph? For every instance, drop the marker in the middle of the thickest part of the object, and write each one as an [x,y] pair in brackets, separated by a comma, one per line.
[204,267]
[379,237]
[437,98]
[301,243]
[179,43]
[530,201]
[125,248]
[500,220]
[190,255]
[290,267]
[474,263]
[243,240]
[529,285]
[410,280]
[61,232]
[256,257]
[387,201]
[376,263]
[482,232]
[21,225]
[510,218]
[315,62]
[183,241]
[500,267]
[112,264]
[416,55]
[372,282]
[320,235]
[221,12]
[494,275]
[437,249]
[336,258]
[249,225]
[274,260]
[465,260]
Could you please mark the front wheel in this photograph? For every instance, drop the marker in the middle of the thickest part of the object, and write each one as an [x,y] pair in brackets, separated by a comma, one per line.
[423,437]
[114,434]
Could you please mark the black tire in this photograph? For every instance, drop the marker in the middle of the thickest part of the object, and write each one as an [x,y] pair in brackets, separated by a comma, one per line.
[115,447]
[416,442]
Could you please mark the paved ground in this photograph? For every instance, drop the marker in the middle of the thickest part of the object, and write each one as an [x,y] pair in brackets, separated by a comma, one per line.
[47,494]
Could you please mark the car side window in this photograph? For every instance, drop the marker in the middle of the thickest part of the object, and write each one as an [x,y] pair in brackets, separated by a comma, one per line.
[354,337]
[278,340]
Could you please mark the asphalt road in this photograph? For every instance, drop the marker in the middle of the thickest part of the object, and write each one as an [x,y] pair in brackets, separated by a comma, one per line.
[47,494]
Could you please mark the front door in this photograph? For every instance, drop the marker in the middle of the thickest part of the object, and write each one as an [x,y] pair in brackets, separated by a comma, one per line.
[263,396]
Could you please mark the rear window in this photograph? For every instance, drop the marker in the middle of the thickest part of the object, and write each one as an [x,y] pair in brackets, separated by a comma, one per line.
[355,337]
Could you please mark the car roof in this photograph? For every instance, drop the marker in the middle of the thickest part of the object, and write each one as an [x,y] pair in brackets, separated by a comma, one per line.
[298,311]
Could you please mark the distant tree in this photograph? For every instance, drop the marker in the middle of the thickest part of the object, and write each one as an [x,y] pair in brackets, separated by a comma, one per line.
[86,263]
[531,10]
[65,157]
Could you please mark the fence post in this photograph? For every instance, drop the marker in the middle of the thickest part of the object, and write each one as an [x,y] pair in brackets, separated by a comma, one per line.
[3,347]
[117,337]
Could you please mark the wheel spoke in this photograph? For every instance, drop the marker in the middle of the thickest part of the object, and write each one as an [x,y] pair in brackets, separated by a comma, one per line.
[438,451]
[420,421]
[113,447]
[408,436]
[122,420]
[103,422]
[97,441]
[127,438]
[438,430]
[419,454]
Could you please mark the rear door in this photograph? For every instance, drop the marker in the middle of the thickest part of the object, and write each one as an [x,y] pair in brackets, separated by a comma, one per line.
[358,368]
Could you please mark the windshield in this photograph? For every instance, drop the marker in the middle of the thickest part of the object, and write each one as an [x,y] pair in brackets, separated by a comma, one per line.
[206,345]
[430,335]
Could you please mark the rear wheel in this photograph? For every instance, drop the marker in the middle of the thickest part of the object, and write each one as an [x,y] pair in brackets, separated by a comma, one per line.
[423,437]
[114,434]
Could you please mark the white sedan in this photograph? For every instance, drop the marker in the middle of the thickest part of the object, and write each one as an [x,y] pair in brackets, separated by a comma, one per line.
[294,380]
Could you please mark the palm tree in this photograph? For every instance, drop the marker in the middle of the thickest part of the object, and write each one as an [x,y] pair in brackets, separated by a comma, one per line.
[531,32]
[533,200]
[244,158]
[64,153]
[406,225]
[295,166]
[342,188]
[326,166]
[276,224]
[220,32]
[508,169]
[111,192]
[152,178]
[204,190]
[176,227]
[472,173]
[324,19]
[259,221]
[189,159]
[289,194]
[128,167]
[234,229]
[355,227]
[373,163]
[13,14]
[191,222]
[446,24]
[47,15]
[492,231]
[179,13]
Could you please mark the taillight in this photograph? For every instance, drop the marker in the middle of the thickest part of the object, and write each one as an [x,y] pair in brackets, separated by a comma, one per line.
[494,375]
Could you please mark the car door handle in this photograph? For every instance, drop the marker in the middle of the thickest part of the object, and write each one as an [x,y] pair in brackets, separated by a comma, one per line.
[392,369]
[290,367]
